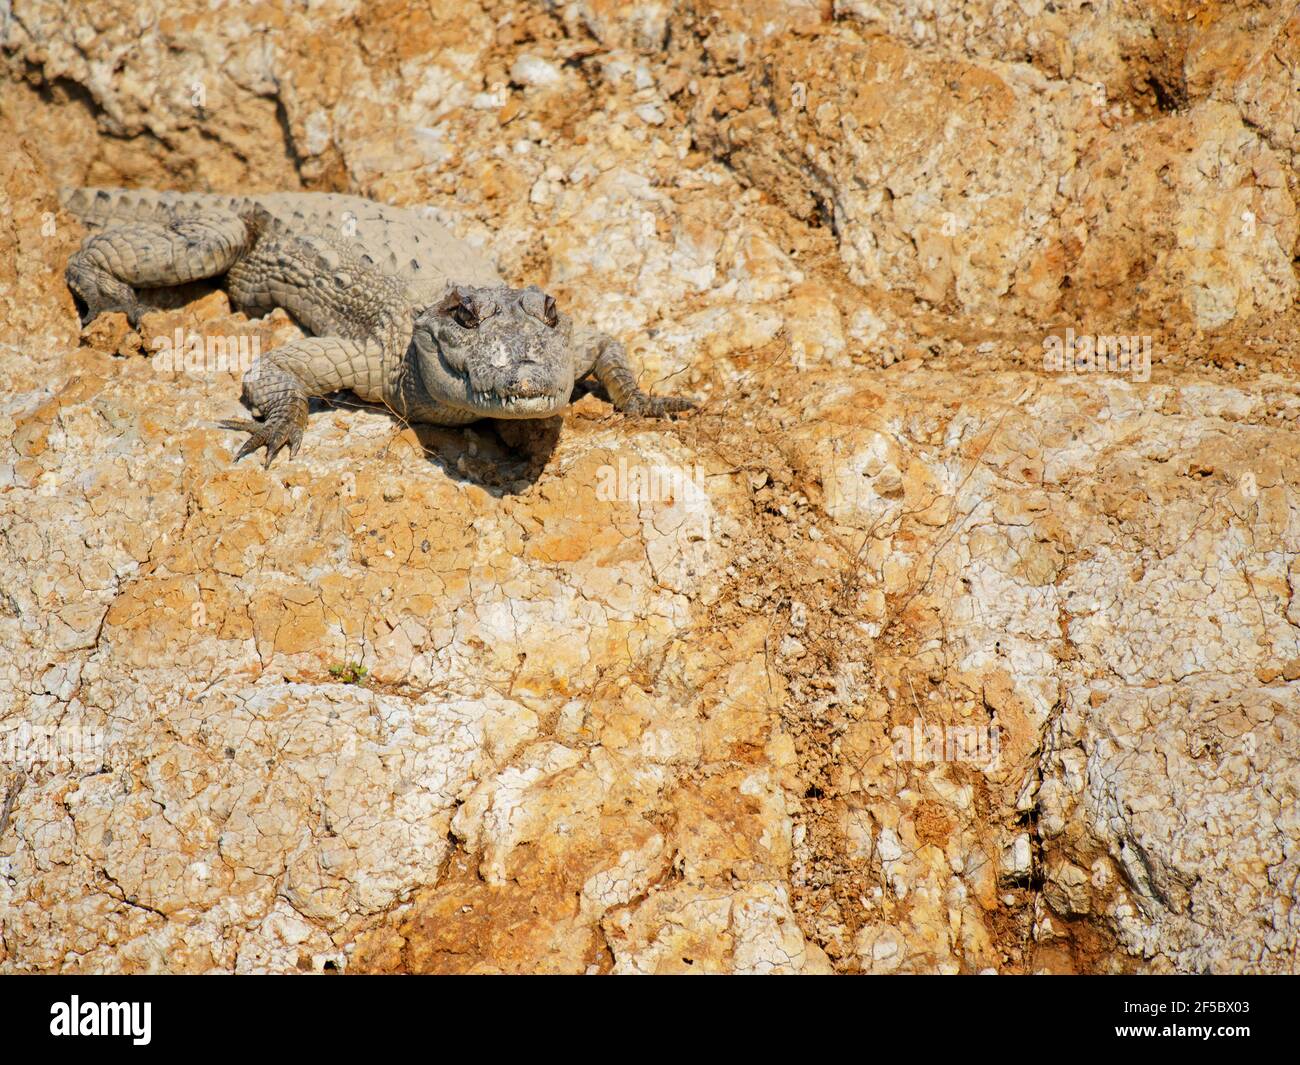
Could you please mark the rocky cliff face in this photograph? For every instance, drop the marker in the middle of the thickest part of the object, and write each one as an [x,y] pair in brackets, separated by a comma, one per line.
[923,647]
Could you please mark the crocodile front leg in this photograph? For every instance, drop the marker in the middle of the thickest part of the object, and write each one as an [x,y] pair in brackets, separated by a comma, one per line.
[110,265]
[610,367]
[278,385]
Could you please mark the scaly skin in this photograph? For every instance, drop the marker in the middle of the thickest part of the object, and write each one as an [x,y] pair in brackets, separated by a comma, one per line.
[399,311]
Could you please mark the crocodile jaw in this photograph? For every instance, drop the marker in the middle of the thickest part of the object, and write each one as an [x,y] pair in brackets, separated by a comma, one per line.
[492,405]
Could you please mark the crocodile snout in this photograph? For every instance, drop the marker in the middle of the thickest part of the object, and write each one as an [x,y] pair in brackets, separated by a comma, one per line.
[529,381]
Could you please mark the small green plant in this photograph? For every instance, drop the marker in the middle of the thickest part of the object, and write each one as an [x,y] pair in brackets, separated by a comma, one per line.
[352,673]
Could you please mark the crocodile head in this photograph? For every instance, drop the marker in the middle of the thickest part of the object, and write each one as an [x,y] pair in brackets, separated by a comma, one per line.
[499,352]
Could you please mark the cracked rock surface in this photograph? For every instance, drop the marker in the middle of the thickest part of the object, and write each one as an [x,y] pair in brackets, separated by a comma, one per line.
[610,695]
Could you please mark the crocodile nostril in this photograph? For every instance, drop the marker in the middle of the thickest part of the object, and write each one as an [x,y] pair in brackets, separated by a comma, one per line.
[528,382]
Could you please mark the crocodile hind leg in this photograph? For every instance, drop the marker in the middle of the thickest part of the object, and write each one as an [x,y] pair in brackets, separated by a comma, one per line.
[610,367]
[111,264]
[279,383]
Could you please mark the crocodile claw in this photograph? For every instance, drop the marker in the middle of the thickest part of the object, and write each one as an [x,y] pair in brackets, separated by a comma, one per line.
[273,434]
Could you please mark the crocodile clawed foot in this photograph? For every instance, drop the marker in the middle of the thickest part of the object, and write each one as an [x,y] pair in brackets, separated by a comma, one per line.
[88,311]
[658,406]
[273,434]
[97,292]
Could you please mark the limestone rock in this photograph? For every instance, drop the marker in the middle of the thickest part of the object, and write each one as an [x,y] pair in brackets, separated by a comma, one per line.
[914,651]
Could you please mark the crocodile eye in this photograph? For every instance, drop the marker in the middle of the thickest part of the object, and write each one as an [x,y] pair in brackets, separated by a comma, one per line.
[464,309]
[537,304]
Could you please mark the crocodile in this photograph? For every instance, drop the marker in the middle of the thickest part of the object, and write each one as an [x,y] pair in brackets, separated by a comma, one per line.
[398,310]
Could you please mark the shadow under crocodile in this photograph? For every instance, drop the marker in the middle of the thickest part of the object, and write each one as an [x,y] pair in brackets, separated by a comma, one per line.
[502,457]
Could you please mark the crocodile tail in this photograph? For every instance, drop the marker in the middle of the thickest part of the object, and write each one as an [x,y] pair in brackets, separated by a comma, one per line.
[97,207]
[258,219]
